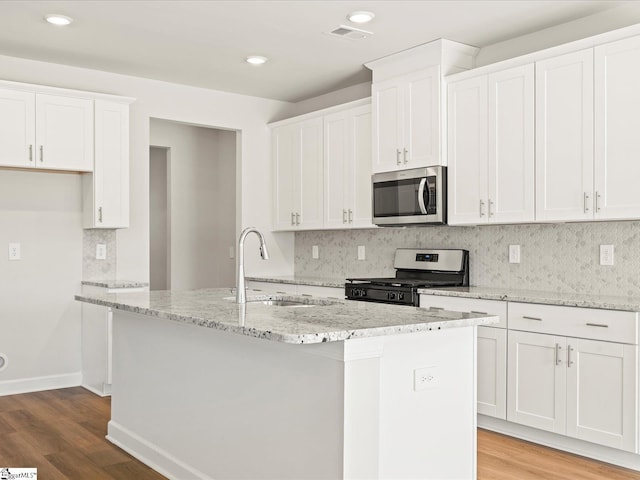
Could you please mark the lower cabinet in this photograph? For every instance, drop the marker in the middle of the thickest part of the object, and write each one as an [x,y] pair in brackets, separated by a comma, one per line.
[582,386]
[491,353]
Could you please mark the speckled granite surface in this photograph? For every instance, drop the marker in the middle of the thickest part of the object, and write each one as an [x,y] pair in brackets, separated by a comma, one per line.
[609,302]
[115,283]
[329,320]
[302,280]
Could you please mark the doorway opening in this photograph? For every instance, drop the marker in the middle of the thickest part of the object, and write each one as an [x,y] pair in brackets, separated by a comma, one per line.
[192,206]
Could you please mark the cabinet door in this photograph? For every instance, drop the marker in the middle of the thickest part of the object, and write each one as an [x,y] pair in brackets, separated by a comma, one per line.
[336,165]
[388,98]
[536,380]
[421,144]
[564,137]
[309,179]
[64,133]
[467,132]
[602,393]
[511,145]
[358,186]
[283,140]
[492,372]
[617,142]
[110,205]
[17,128]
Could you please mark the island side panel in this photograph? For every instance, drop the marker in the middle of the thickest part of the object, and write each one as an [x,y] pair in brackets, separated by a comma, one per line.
[429,433]
[195,402]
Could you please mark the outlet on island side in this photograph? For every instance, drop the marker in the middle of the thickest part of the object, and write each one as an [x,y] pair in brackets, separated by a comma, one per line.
[426,377]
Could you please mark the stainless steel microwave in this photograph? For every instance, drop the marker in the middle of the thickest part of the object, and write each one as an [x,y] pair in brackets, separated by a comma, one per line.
[410,197]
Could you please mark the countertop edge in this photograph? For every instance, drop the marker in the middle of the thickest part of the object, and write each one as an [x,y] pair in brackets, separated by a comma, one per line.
[334,283]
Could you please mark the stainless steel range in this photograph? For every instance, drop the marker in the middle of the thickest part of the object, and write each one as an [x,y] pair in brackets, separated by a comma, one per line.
[415,268]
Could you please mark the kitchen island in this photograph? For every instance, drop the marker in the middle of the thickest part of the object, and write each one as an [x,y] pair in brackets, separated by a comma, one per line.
[319,388]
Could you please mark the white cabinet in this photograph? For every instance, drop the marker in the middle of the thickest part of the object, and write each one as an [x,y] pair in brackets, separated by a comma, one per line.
[45,131]
[347,168]
[106,190]
[617,142]
[17,128]
[585,388]
[406,121]
[564,137]
[298,162]
[491,148]
[492,350]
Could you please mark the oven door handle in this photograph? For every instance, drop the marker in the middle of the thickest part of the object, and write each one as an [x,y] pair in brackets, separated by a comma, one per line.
[423,184]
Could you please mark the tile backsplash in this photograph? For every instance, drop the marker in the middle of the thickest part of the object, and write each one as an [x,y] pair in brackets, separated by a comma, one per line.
[93,269]
[554,257]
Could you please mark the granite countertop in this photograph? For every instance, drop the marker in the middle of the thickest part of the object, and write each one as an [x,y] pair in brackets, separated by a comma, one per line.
[115,283]
[328,320]
[608,302]
[301,280]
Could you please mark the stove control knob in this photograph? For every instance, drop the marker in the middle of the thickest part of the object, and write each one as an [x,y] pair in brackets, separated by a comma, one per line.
[363,293]
[392,296]
[400,296]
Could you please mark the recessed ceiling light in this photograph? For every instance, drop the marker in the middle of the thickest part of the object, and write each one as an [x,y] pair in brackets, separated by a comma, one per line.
[256,60]
[360,16]
[60,20]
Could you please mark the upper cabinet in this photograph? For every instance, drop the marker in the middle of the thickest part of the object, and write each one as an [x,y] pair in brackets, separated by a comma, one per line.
[45,131]
[322,169]
[407,97]
[407,121]
[564,137]
[491,148]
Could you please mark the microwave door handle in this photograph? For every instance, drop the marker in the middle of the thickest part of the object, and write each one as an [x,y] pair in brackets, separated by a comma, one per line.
[423,184]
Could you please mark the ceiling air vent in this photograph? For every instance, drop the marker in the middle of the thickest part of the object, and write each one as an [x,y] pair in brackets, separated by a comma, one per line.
[350,32]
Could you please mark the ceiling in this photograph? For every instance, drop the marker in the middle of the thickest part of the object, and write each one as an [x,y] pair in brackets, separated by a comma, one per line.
[204,43]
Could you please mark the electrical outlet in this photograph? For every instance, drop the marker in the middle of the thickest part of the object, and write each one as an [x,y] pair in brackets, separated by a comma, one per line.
[514,253]
[361,252]
[14,251]
[101,251]
[427,377]
[606,255]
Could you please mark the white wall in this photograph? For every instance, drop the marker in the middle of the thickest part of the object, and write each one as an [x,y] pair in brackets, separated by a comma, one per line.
[202,208]
[37,307]
[39,321]
[159,274]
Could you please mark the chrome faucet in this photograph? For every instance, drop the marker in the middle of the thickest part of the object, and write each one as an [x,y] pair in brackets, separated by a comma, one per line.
[241,288]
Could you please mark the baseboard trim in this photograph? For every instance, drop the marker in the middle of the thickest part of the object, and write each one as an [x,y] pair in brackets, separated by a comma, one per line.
[561,442]
[151,455]
[38,384]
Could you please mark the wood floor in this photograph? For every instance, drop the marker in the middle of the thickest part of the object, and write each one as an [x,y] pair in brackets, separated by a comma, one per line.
[61,432]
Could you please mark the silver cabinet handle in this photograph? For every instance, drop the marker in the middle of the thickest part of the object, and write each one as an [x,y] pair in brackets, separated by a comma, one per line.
[481,208]
[398,162]
[297,219]
[293,218]
[479,313]
[350,216]
[601,325]
[532,318]
[41,154]
[597,202]
[344,216]
[569,361]
[100,214]
[405,156]
[490,209]
[558,359]
[31,153]
[586,202]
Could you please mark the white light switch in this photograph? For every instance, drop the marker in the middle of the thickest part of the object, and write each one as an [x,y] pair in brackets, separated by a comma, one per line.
[514,253]
[361,253]
[101,251]
[606,255]
[315,252]
[14,251]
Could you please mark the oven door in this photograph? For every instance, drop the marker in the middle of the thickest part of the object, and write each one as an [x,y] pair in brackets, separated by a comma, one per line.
[410,197]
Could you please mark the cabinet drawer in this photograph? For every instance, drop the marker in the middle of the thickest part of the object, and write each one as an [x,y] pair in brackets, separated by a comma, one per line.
[592,323]
[474,305]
